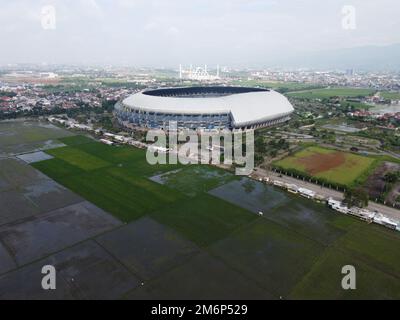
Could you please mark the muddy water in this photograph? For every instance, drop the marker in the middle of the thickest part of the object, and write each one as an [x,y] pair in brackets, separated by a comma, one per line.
[251,195]
[291,211]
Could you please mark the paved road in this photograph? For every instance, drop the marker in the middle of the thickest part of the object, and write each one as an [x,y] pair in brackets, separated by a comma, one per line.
[326,192]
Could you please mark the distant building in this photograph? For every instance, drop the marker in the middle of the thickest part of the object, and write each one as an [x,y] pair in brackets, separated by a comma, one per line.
[198,73]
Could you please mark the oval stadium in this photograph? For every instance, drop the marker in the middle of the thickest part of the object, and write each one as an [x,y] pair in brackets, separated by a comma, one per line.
[204,108]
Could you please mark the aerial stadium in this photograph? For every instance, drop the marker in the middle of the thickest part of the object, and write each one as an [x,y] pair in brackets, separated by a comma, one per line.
[208,107]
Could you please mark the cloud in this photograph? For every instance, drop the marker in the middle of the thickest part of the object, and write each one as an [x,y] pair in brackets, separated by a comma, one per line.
[173,31]
[208,31]
[150,26]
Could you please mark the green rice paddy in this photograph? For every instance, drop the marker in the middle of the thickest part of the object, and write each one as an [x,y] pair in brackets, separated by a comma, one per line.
[295,250]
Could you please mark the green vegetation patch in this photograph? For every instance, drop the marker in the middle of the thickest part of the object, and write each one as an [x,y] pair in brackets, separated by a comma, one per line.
[372,250]
[126,199]
[131,160]
[391,95]
[374,244]
[203,219]
[76,140]
[203,277]
[113,154]
[252,195]
[192,180]
[78,158]
[271,255]
[312,220]
[159,193]
[325,278]
[25,136]
[296,250]
[277,85]
[332,92]
[57,168]
[330,165]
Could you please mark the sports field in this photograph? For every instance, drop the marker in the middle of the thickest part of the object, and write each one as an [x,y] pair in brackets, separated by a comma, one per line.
[204,238]
[333,166]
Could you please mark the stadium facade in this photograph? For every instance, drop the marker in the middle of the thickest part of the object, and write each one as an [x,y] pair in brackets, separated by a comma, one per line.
[208,107]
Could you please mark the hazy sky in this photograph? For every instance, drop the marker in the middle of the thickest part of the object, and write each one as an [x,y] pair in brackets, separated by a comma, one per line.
[169,32]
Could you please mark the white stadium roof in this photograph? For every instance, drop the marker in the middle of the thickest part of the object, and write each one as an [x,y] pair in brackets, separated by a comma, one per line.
[245,108]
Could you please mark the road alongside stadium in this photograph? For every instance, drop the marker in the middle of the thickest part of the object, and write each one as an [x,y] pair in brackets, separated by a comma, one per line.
[326,192]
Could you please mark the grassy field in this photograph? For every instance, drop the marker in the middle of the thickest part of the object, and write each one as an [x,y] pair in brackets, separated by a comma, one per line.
[18,136]
[323,281]
[196,179]
[204,219]
[334,166]
[276,85]
[109,177]
[296,250]
[331,92]
[18,132]
[78,158]
[76,140]
[390,95]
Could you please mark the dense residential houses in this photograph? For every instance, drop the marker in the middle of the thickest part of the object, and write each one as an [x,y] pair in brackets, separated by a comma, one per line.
[389,120]
[28,97]
[349,78]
